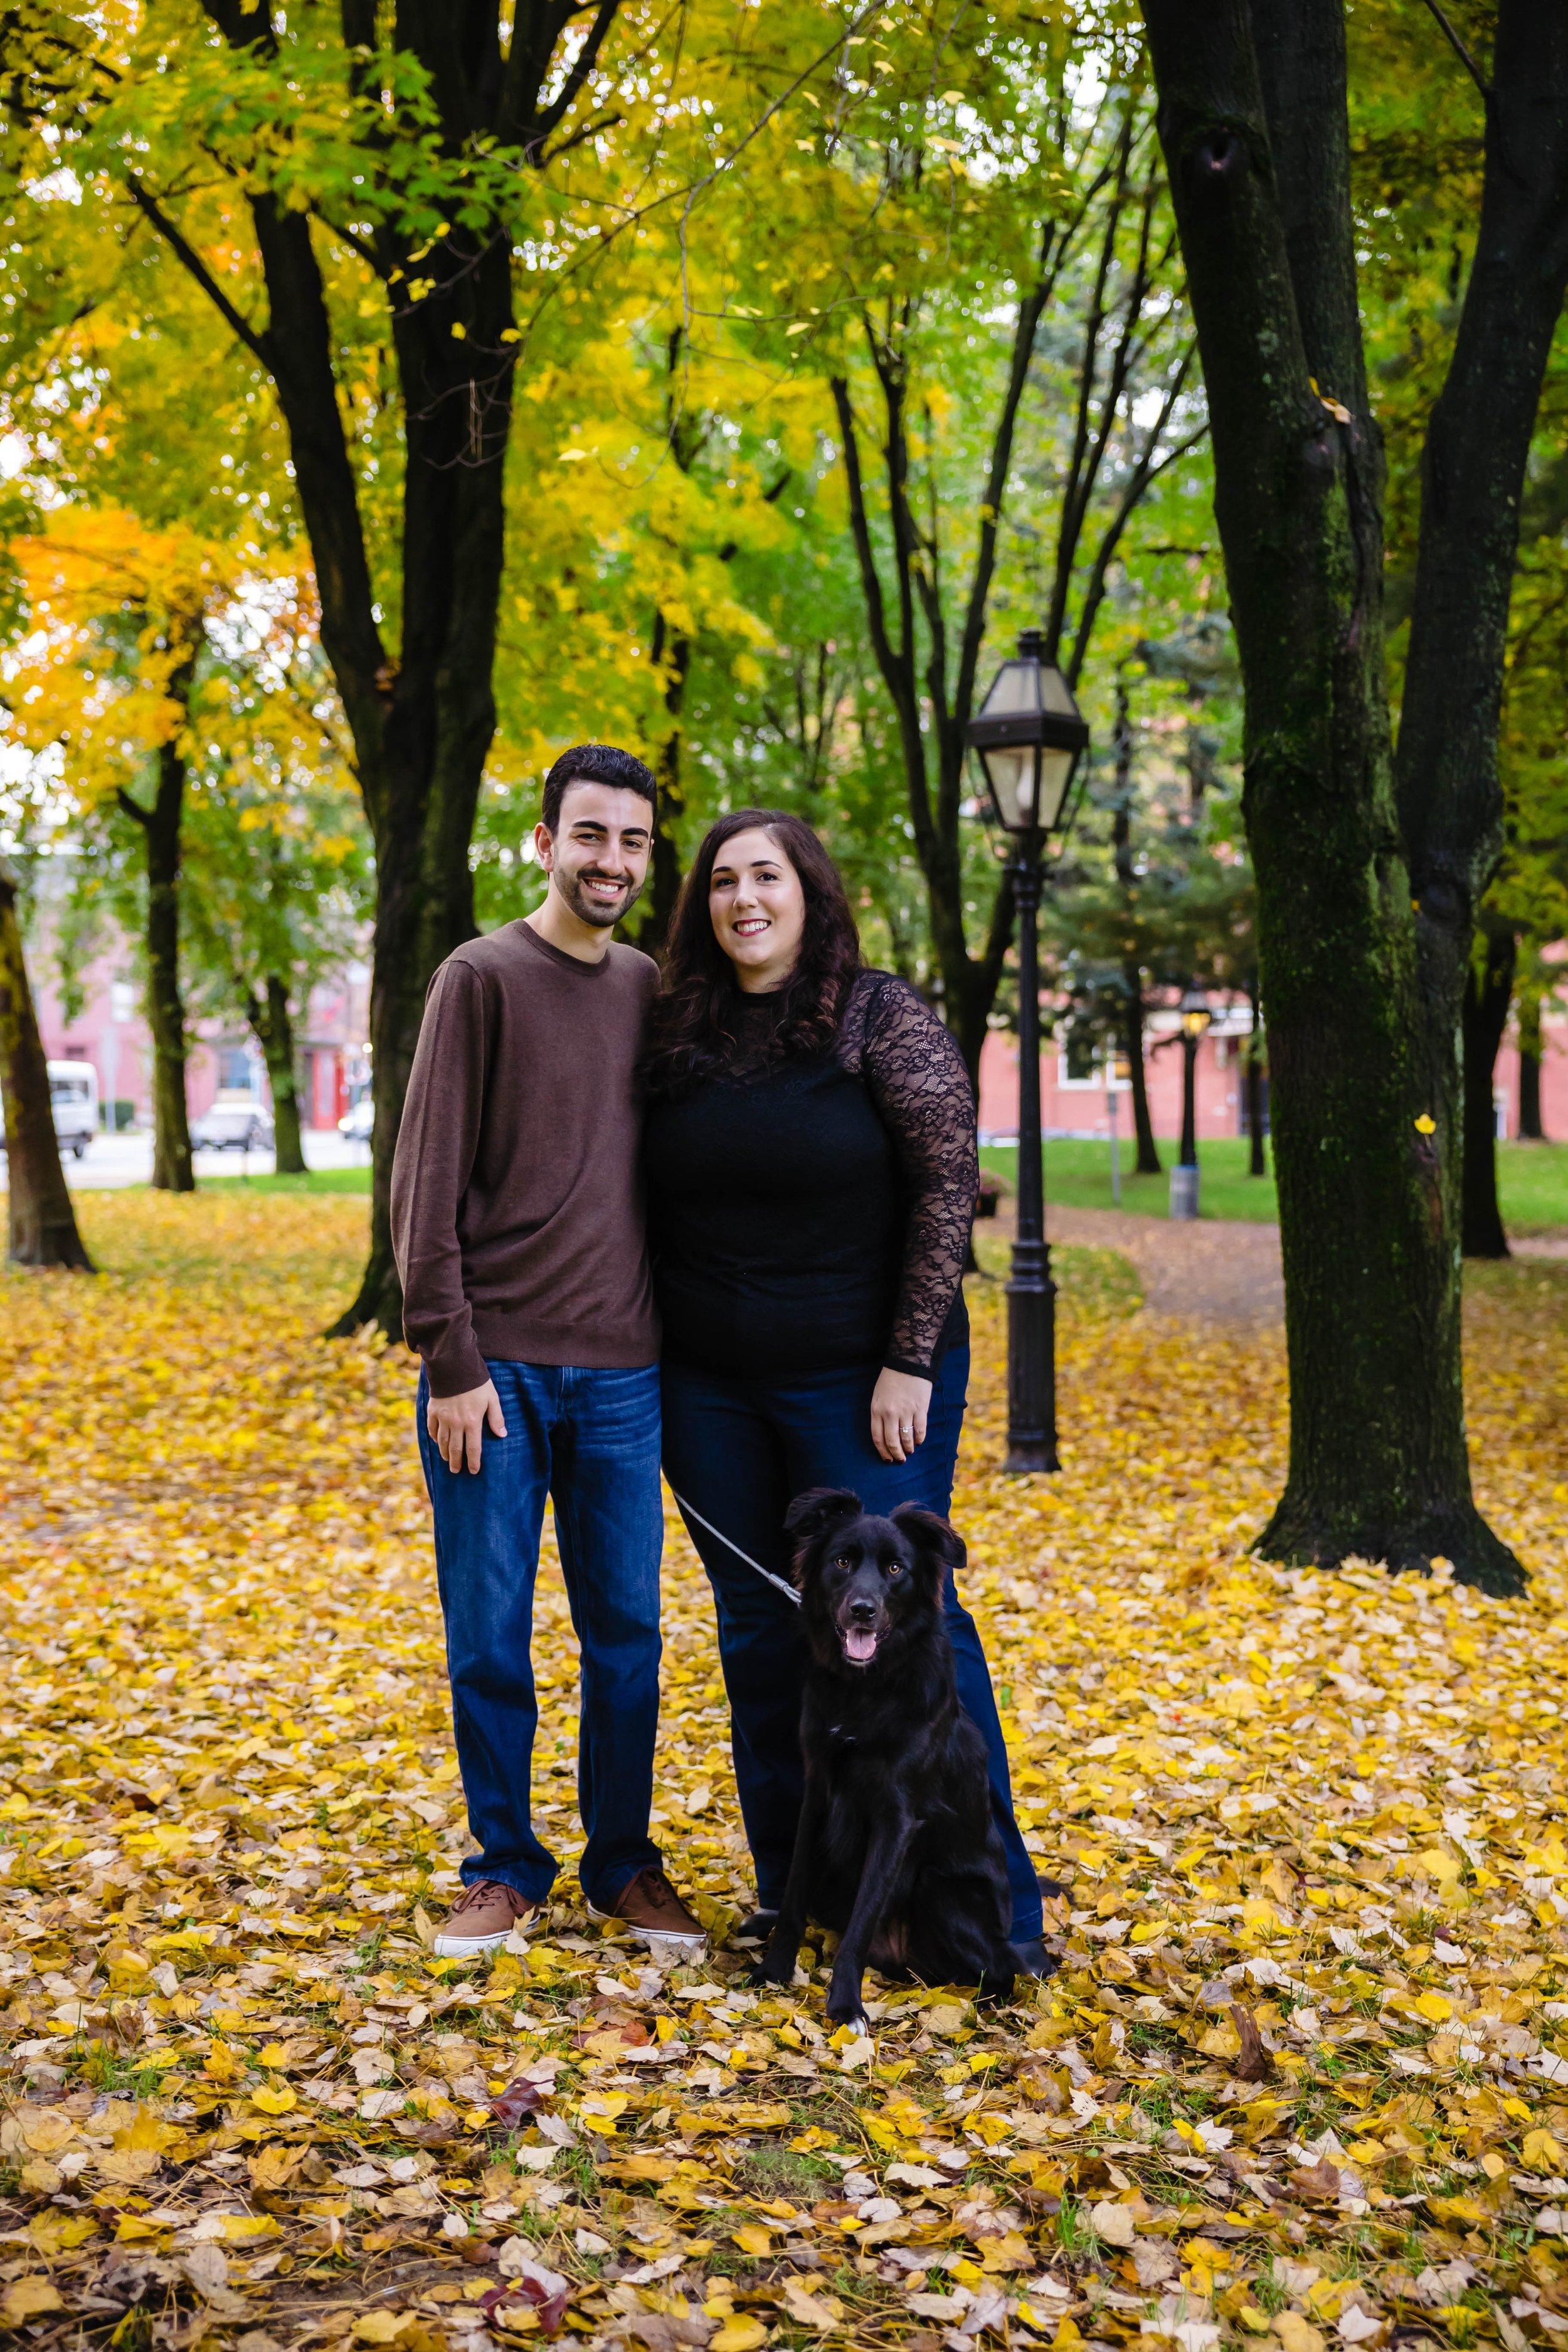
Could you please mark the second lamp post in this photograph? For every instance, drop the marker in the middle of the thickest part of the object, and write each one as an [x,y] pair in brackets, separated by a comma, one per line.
[1029,737]
[1194,1015]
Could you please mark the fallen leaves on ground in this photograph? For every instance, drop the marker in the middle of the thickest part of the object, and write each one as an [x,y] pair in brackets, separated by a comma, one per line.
[1301,2082]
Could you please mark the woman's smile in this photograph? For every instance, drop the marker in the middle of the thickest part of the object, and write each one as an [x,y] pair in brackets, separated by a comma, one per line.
[757,909]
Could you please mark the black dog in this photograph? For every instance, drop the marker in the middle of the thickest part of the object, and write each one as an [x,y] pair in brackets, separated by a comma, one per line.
[895,1849]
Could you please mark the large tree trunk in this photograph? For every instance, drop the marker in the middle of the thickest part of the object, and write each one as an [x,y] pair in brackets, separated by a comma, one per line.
[1486,1003]
[1378,1462]
[274,1031]
[43,1229]
[1473,469]
[1529,1127]
[422,720]
[160,826]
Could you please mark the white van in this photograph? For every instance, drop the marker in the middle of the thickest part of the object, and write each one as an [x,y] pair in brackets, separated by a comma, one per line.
[73,1094]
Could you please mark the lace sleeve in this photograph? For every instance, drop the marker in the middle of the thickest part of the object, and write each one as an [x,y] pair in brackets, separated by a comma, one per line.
[915,1075]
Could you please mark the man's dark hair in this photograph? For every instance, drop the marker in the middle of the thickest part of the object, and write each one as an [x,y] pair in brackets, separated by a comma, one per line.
[595,764]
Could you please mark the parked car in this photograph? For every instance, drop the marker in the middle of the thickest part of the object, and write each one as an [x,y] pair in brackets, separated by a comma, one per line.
[73,1097]
[357,1120]
[232,1127]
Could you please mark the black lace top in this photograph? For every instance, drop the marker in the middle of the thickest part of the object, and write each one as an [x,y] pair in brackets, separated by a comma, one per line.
[814,1213]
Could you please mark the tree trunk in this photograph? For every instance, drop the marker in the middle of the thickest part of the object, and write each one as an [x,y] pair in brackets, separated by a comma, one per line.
[43,1229]
[1148,1157]
[1148,1162]
[1473,469]
[1529,1127]
[670,652]
[274,1031]
[1257,1165]
[1378,1462]
[421,721]
[161,830]
[1486,1003]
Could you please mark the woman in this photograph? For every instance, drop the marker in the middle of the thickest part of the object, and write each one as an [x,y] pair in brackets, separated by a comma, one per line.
[811,1172]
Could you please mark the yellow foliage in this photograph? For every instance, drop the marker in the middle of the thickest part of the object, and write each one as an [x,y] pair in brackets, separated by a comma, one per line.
[253,1612]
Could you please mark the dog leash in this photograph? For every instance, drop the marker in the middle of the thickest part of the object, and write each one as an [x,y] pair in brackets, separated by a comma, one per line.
[766,1573]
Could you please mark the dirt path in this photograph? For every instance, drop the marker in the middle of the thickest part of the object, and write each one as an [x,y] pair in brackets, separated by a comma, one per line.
[1227,1271]
[1221,1269]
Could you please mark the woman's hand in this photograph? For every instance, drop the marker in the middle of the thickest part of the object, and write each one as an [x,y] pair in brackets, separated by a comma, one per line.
[899,1405]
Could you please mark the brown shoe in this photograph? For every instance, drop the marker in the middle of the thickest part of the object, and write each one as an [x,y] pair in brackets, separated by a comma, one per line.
[482,1919]
[656,1913]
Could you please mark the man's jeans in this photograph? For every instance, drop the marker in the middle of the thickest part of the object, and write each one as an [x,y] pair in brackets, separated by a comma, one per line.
[589,1439]
[737,1451]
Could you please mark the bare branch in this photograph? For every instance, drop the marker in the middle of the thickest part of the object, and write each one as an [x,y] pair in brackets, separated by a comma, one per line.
[185,253]
[1460,51]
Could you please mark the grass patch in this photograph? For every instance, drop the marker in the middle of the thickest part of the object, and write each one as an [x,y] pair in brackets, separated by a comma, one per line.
[1095,1281]
[780,2172]
[1532,1180]
[315,1179]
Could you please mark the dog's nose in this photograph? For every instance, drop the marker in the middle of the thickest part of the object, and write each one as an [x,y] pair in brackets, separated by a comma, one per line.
[862,1612]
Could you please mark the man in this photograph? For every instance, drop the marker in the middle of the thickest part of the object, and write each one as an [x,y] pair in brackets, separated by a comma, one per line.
[517,1223]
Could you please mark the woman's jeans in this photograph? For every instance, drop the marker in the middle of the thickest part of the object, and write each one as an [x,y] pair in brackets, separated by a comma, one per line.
[739,1451]
[589,1439]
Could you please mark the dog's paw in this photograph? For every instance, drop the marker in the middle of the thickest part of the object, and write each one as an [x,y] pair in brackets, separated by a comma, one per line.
[850,2013]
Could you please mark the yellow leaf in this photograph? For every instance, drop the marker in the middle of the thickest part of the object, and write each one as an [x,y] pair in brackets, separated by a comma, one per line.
[1423,1126]
[47,2129]
[752,2238]
[742,2334]
[28,2298]
[1433,2006]
[1542,2153]
[54,2233]
[1296,2334]
[380,2326]
[277,2102]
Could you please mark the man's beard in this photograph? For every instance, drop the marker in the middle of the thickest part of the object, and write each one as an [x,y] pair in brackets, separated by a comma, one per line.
[591,910]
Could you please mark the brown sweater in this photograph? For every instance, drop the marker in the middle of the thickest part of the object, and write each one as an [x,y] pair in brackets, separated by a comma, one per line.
[517,1210]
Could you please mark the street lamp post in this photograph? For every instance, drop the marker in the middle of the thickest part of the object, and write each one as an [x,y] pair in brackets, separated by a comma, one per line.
[1029,738]
[1194,1015]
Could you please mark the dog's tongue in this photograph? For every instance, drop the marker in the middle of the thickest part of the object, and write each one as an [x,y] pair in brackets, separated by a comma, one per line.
[861,1645]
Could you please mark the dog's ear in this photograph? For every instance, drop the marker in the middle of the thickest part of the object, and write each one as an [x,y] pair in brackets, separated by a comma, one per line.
[932,1537]
[820,1508]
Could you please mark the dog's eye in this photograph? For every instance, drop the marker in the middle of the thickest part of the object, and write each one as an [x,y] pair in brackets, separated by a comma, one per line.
[844,1562]
[895,1569]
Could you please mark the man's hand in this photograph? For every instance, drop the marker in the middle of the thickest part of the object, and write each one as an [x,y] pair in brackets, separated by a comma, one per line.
[899,1405]
[458,1423]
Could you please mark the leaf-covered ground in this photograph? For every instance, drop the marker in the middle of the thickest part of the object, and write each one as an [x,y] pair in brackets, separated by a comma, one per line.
[1301,2081]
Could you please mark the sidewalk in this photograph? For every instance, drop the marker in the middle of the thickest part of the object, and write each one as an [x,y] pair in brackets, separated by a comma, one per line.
[117,1159]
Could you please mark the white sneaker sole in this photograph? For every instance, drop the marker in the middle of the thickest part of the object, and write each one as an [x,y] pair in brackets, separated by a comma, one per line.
[659,1939]
[467,1947]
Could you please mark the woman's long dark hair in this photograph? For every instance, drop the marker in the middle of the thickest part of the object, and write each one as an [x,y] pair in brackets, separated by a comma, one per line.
[695,1033]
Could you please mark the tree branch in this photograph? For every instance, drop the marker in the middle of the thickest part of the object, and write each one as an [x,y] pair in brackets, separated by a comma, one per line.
[187,254]
[1030,308]
[1460,51]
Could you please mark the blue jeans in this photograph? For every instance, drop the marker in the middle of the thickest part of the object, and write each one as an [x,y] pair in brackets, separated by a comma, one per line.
[589,1439]
[739,1451]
